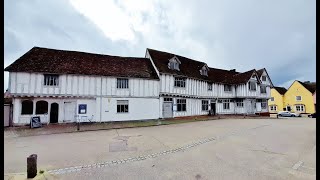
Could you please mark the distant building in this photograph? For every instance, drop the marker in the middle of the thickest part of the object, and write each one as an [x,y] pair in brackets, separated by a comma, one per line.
[276,102]
[299,98]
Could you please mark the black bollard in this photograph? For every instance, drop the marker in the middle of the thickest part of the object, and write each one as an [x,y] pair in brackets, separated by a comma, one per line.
[32,166]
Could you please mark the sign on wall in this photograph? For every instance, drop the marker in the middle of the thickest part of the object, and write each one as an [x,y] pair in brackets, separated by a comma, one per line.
[174,107]
[82,109]
[35,122]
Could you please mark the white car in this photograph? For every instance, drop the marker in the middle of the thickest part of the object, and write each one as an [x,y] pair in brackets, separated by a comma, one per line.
[288,114]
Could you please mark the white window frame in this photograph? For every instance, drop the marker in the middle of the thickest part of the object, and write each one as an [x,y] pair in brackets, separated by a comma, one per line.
[264,104]
[265,89]
[227,88]
[300,98]
[179,82]
[51,80]
[226,104]
[180,103]
[255,86]
[123,106]
[264,78]
[239,103]
[273,107]
[122,83]
[205,105]
[301,108]
[209,86]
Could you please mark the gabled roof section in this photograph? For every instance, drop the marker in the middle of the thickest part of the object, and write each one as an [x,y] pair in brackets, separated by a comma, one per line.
[260,72]
[188,67]
[244,77]
[175,58]
[310,86]
[44,60]
[281,90]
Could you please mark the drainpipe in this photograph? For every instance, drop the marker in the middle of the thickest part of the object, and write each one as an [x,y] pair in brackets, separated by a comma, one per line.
[100,99]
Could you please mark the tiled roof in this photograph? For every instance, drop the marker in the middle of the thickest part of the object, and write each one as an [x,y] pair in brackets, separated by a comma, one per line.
[46,60]
[191,68]
[188,67]
[310,86]
[281,90]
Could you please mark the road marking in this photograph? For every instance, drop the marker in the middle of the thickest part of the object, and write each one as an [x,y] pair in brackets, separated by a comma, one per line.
[297,165]
[153,155]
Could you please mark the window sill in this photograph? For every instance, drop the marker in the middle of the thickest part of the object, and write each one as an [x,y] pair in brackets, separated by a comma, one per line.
[122,112]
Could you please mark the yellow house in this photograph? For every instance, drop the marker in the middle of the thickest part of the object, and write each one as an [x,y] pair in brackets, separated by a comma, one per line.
[299,97]
[276,102]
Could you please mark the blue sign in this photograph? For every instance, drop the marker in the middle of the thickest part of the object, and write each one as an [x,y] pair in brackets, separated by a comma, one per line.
[82,109]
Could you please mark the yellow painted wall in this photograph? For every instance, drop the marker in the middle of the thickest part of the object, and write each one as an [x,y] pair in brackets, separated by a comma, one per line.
[296,89]
[278,101]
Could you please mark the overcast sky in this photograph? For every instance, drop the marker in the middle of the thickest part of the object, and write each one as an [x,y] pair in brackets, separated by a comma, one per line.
[279,35]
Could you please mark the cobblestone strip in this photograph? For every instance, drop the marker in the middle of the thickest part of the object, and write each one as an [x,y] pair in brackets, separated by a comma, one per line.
[149,156]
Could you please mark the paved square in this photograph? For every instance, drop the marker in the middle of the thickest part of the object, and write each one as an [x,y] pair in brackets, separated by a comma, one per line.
[217,149]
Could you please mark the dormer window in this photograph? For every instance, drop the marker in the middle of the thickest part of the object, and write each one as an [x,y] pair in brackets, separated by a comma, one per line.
[204,70]
[174,63]
[264,78]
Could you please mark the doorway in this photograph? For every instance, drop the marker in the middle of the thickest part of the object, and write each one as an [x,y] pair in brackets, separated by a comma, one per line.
[167,110]
[213,108]
[54,113]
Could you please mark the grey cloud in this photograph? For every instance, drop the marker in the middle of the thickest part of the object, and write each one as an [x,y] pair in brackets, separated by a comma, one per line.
[277,35]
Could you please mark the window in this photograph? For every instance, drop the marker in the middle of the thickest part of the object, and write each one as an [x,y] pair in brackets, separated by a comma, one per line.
[42,107]
[122,106]
[174,65]
[252,86]
[272,99]
[205,105]
[263,89]
[226,104]
[179,82]
[51,80]
[209,87]
[82,109]
[264,104]
[122,83]
[167,99]
[27,107]
[263,78]
[273,108]
[300,108]
[227,87]
[204,72]
[181,105]
[239,102]
[298,98]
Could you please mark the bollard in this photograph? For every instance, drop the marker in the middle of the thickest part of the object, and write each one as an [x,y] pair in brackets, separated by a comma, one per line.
[32,166]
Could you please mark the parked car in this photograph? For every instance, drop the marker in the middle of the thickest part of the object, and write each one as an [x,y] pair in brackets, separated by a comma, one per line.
[312,115]
[288,114]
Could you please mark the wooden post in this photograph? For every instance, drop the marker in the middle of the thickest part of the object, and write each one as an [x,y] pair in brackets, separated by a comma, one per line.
[32,166]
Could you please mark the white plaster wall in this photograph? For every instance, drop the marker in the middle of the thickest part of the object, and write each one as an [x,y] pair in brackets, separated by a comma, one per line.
[80,85]
[139,109]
